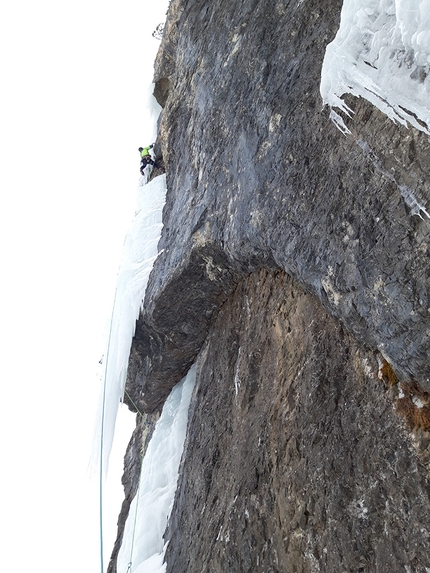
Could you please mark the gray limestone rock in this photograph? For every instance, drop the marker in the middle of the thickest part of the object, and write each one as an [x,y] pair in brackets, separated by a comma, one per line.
[259,176]
[295,459]
[293,259]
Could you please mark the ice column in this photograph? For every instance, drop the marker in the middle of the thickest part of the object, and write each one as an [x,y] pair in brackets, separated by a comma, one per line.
[143,545]
[139,254]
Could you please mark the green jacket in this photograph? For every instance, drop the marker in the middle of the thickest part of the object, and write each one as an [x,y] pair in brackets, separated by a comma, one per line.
[145,151]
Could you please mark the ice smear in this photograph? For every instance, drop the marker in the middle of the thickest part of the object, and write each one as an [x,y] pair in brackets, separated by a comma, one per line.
[382,53]
[143,545]
[139,254]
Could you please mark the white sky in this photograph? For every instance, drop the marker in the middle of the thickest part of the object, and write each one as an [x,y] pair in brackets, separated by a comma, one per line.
[75,78]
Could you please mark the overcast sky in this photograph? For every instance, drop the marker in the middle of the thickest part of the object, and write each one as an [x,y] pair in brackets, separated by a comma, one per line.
[75,78]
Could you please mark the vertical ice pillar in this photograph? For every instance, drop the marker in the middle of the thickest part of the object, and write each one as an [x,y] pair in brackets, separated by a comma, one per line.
[142,549]
[139,253]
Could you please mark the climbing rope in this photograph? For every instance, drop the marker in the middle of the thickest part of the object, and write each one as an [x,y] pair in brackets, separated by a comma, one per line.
[101,475]
[102,436]
[134,527]
[137,494]
[131,400]
[101,455]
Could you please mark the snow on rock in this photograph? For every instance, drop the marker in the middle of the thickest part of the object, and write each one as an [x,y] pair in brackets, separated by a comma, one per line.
[139,254]
[382,53]
[143,546]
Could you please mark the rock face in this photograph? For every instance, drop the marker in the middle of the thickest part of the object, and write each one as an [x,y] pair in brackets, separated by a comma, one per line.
[296,460]
[295,269]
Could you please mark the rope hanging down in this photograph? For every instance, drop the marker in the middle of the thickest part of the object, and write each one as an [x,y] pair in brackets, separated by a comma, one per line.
[131,400]
[101,455]
[102,437]
[137,494]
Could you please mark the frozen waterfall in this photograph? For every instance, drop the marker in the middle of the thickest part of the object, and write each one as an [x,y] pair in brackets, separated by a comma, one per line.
[139,254]
[382,53]
[142,549]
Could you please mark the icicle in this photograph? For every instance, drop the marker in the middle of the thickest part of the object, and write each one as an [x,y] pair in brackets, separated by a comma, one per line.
[381,53]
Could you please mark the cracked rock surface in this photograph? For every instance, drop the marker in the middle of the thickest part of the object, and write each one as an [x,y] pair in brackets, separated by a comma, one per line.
[293,261]
[259,177]
[295,459]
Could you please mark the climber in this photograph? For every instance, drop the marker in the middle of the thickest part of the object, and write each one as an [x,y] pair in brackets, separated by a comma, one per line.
[145,158]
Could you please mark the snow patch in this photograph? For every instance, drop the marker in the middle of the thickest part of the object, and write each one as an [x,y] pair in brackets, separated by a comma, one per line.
[236,374]
[411,201]
[414,206]
[418,402]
